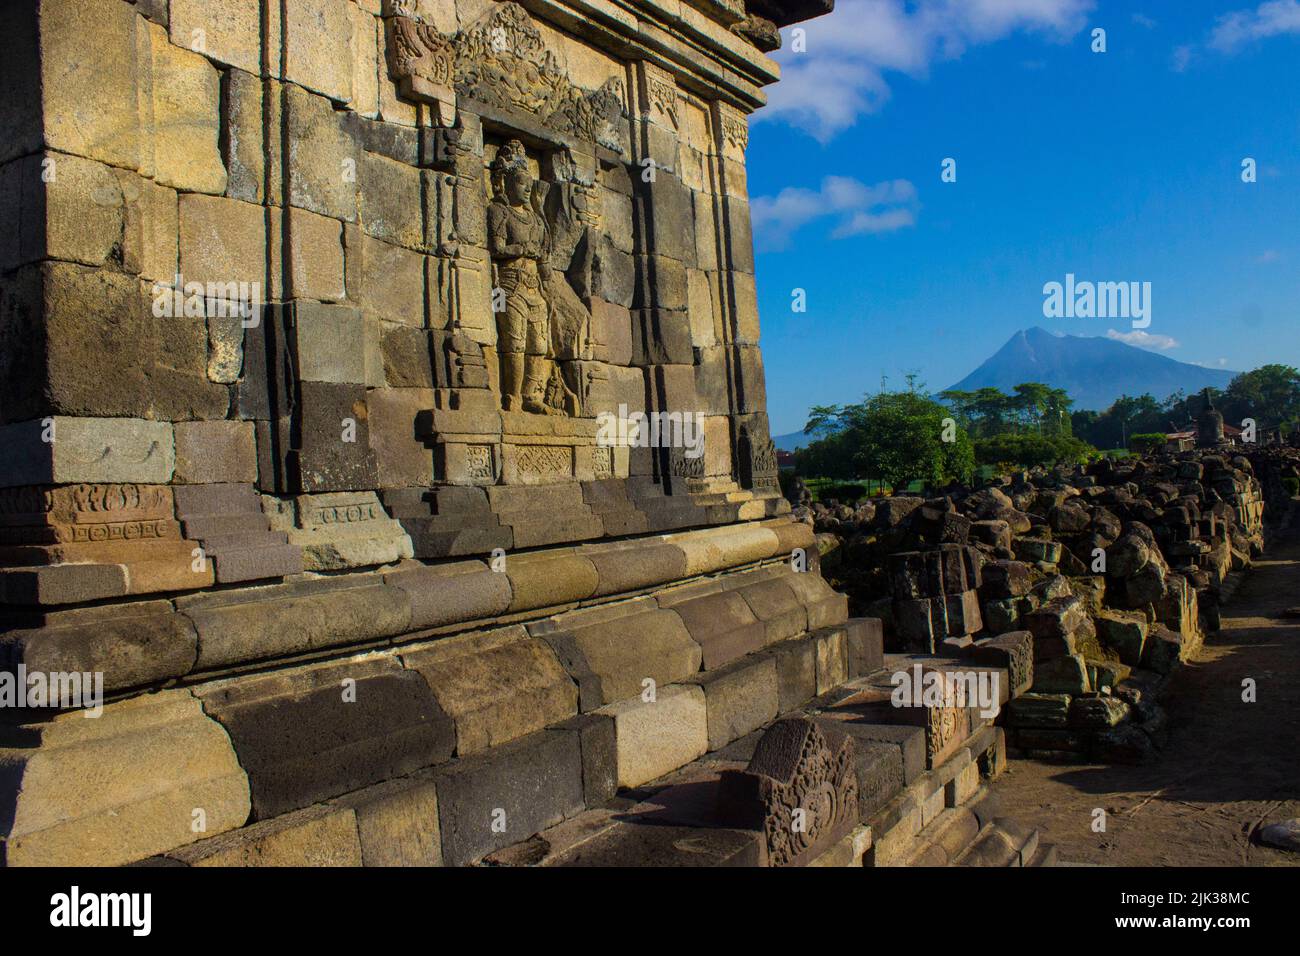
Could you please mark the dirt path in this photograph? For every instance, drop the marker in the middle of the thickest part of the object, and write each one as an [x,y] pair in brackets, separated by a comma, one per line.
[1228,764]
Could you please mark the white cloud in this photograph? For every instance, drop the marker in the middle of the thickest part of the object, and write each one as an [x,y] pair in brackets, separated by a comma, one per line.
[1267,256]
[1180,58]
[1142,20]
[1143,340]
[1272,18]
[858,208]
[841,75]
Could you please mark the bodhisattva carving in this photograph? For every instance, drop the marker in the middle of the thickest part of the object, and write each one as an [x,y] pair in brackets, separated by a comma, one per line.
[539,317]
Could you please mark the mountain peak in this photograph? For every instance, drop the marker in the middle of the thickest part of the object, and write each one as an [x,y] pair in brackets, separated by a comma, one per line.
[1094,370]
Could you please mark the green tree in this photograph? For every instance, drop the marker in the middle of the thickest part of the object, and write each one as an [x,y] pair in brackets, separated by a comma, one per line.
[1270,394]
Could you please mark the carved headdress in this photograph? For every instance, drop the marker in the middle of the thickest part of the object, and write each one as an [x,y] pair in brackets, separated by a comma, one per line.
[510,156]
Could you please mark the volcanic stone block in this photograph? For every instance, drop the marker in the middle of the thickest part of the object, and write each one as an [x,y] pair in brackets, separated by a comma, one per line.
[89,450]
[1098,713]
[613,656]
[1005,579]
[505,795]
[315,732]
[221,241]
[340,530]
[595,733]
[774,603]
[186,125]
[825,606]
[1124,632]
[661,337]
[330,342]
[796,672]
[401,453]
[864,644]
[396,822]
[1013,652]
[452,594]
[318,47]
[632,568]
[496,685]
[334,453]
[1056,624]
[655,737]
[963,613]
[547,579]
[235,627]
[129,644]
[1061,675]
[1036,550]
[447,521]
[215,452]
[740,698]
[62,584]
[1039,710]
[908,742]
[1164,650]
[878,765]
[119,788]
[631,843]
[832,658]
[321,142]
[722,624]
[316,261]
[314,836]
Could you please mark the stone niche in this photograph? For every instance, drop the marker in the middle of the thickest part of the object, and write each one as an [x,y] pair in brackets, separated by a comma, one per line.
[383,249]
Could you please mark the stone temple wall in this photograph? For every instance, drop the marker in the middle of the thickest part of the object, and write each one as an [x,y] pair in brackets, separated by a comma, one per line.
[355,337]
[314,317]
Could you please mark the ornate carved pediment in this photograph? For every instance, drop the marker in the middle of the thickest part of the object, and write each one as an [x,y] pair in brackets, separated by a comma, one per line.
[799,788]
[502,62]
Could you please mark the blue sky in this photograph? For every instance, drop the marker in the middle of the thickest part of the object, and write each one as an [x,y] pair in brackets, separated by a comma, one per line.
[1116,166]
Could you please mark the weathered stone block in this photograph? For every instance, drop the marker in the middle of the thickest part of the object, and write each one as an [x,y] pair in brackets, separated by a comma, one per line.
[119,788]
[215,452]
[740,698]
[656,737]
[229,31]
[495,685]
[87,58]
[235,627]
[315,732]
[322,149]
[505,795]
[186,125]
[611,659]
[92,450]
[397,823]
[318,47]
[315,267]
[315,836]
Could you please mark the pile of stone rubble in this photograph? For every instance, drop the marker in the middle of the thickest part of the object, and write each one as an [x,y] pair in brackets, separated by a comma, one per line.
[1090,584]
